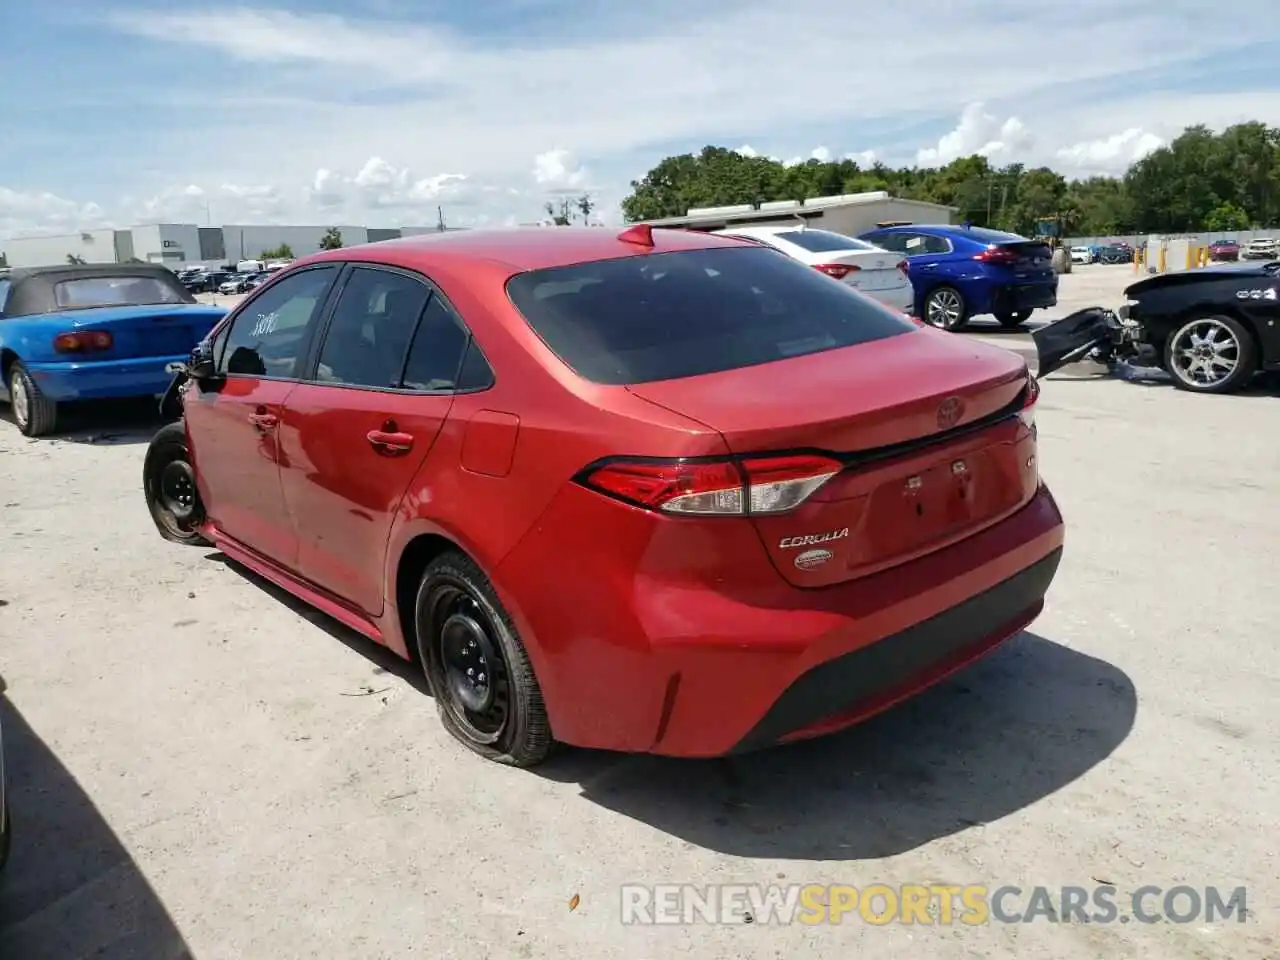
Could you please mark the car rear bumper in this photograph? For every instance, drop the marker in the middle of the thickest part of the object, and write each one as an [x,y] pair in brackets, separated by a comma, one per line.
[1031,296]
[103,379]
[698,670]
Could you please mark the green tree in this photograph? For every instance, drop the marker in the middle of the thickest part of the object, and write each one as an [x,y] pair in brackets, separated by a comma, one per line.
[1199,180]
[1226,216]
[285,252]
[332,239]
[566,211]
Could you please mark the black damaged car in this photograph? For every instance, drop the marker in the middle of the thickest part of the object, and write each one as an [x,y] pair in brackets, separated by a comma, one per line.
[1211,329]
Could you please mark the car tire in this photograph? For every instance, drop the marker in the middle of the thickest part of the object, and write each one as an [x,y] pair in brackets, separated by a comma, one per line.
[169,484]
[1012,320]
[34,413]
[1221,335]
[944,308]
[476,665]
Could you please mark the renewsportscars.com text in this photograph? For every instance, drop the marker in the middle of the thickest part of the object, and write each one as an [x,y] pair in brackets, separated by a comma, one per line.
[927,904]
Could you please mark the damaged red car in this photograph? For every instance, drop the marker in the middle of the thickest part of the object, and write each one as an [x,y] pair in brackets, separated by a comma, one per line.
[650,491]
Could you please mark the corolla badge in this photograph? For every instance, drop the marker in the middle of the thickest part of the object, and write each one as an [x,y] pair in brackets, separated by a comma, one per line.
[790,543]
[813,558]
[949,412]
[1267,294]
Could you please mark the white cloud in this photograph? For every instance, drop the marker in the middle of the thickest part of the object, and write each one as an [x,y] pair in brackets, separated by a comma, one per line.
[557,172]
[863,158]
[982,133]
[747,150]
[1109,154]
[821,154]
[36,213]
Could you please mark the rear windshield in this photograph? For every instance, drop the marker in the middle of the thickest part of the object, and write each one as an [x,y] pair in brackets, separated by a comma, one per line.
[670,315]
[115,291]
[823,241]
[994,236]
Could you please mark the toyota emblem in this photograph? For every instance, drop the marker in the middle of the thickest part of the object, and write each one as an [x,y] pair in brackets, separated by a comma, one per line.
[949,412]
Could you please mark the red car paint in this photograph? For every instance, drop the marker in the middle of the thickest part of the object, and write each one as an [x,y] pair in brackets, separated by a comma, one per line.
[681,635]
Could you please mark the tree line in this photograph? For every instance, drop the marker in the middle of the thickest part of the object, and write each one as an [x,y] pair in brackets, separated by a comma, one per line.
[1200,181]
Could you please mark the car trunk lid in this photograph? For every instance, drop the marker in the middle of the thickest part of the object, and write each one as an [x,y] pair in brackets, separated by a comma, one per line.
[925,428]
[147,330]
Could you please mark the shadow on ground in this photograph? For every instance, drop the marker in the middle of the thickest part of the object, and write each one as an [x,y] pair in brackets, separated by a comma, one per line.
[70,888]
[383,659]
[106,422]
[1010,730]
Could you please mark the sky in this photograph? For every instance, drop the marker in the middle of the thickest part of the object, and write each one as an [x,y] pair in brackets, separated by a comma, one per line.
[379,112]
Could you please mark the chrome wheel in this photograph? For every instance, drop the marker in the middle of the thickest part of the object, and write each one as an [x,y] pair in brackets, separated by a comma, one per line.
[21,400]
[1204,353]
[944,309]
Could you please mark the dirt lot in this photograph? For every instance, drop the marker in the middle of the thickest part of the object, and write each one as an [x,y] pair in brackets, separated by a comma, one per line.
[198,764]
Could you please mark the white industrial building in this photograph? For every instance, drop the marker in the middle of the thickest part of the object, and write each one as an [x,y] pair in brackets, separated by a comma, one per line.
[850,214]
[183,244]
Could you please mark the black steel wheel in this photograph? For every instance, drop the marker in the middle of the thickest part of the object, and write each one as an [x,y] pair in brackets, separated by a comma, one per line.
[476,665]
[169,484]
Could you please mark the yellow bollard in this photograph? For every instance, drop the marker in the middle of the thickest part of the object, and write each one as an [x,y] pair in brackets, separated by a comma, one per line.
[1164,259]
[1137,260]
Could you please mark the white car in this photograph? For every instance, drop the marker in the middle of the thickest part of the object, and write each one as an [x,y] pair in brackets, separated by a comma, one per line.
[869,269]
[1261,248]
[231,286]
[1082,255]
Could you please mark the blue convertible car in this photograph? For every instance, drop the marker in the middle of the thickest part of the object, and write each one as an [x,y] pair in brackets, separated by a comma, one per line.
[92,332]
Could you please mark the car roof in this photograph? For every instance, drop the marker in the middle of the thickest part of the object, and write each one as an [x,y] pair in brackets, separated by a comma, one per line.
[522,248]
[31,289]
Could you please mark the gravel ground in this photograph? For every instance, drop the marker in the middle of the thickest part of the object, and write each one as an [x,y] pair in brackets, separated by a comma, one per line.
[200,766]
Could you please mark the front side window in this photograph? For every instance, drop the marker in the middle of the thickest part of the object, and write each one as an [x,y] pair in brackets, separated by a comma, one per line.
[269,335]
[372,324]
[663,316]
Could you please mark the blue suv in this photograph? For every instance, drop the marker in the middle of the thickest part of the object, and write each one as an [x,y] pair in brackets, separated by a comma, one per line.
[960,272]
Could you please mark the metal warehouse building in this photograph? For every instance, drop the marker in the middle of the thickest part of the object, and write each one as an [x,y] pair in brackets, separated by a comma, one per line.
[850,213]
[179,244]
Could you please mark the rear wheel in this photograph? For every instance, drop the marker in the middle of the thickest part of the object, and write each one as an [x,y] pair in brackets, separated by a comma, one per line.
[169,483]
[1215,354]
[479,672]
[945,309]
[1015,319]
[34,413]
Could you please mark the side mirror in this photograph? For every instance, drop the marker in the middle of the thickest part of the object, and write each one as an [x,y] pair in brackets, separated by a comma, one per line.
[200,364]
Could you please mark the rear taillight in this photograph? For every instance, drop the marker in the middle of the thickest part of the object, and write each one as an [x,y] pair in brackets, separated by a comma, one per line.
[837,270]
[82,341]
[722,487]
[1029,397]
[998,255]
[902,265]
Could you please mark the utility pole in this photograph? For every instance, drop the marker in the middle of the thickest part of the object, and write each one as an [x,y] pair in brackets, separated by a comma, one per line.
[440,219]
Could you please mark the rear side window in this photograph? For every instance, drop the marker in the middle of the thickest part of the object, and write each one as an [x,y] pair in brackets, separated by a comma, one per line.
[823,241]
[670,315]
[437,350]
[369,332]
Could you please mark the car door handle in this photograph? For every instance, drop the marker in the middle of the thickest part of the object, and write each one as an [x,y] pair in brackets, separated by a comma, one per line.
[389,442]
[264,421]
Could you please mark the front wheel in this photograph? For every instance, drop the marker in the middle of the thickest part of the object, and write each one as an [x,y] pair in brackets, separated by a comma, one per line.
[34,413]
[945,309]
[169,484]
[1215,354]
[478,669]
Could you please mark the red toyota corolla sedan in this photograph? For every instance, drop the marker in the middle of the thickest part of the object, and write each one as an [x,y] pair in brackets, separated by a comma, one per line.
[650,491]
